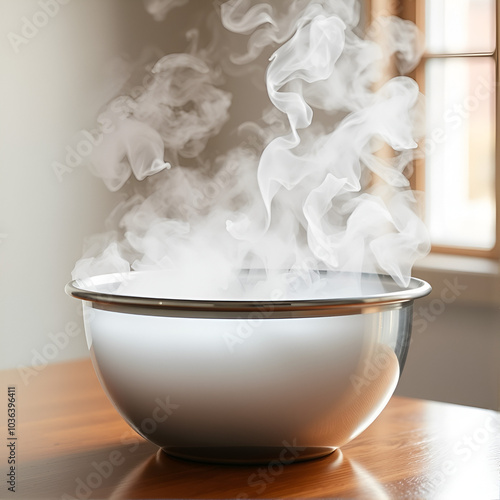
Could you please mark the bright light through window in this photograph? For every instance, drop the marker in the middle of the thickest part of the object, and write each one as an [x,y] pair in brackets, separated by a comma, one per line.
[456,26]
[460,140]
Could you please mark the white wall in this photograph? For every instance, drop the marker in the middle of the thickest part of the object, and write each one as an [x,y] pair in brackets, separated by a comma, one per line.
[456,359]
[47,94]
[454,353]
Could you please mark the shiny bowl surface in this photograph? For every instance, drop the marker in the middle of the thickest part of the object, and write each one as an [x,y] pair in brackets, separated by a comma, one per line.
[249,381]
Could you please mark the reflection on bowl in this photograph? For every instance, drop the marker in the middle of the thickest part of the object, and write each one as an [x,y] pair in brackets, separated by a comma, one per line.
[248,381]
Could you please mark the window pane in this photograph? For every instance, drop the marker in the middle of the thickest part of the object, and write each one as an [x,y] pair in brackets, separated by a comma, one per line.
[460,26]
[460,152]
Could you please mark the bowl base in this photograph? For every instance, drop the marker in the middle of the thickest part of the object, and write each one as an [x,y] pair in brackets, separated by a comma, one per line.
[248,454]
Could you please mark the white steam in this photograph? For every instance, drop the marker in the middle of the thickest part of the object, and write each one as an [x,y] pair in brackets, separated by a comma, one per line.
[160,8]
[319,182]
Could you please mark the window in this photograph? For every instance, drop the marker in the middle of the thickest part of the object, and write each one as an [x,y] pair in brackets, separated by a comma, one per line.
[459,169]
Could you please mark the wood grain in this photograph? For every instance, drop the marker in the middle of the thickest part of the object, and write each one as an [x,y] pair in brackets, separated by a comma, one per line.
[73,444]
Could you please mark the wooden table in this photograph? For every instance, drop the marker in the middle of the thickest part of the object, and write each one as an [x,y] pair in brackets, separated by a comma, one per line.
[71,443]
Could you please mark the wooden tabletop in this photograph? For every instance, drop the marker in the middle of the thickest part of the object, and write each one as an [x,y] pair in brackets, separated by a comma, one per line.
[71,443]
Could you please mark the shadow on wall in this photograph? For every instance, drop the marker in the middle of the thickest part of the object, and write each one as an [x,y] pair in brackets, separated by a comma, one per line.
[455,349]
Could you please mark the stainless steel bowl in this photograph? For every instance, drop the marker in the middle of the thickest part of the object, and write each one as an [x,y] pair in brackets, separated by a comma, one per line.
[249,381]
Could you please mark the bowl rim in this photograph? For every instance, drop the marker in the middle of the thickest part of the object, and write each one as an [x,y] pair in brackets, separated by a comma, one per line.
[197,308]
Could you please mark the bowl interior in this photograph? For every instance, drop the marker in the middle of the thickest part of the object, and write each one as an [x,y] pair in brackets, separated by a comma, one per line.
[150,287]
